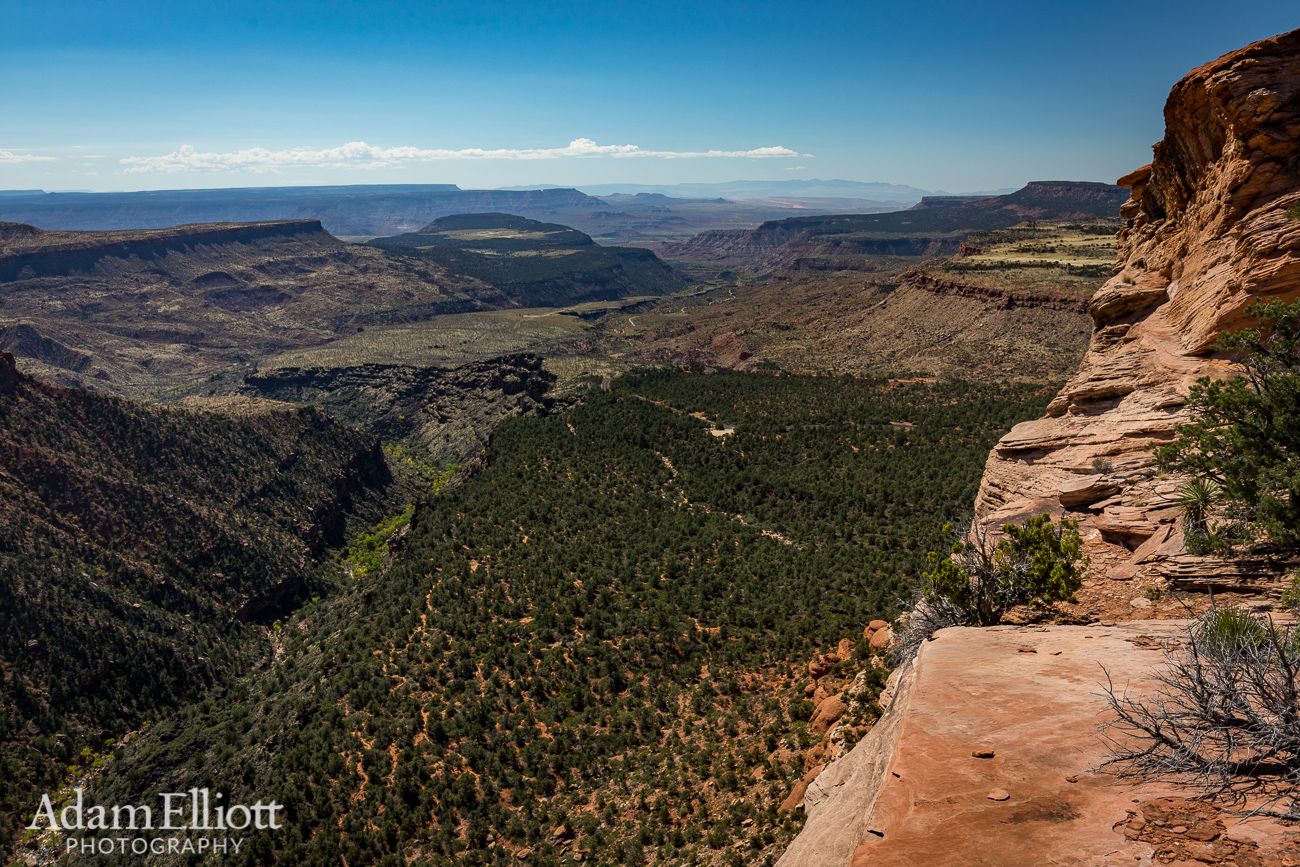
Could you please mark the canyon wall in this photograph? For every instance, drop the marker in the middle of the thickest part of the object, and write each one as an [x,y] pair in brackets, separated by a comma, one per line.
[1213,225]
[1210,230]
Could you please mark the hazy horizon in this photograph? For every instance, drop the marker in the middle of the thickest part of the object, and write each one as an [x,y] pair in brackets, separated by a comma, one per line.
[739,188]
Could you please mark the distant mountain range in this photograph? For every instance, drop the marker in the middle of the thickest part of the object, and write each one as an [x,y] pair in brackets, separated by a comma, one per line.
[367,210]
[611,213]
[900,194]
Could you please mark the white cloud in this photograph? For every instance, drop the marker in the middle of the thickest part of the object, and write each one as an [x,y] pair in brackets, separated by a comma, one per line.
[795,168]
[360,155]
[11,157]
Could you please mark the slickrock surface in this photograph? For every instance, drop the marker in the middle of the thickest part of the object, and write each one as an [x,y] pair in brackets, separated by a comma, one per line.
[913,793]
[1208,234]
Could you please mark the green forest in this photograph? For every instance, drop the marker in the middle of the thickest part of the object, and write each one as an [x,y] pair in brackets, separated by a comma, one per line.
[138,547]
[596,649]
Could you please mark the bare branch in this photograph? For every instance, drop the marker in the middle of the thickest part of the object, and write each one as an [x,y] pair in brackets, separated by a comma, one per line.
[1224,718]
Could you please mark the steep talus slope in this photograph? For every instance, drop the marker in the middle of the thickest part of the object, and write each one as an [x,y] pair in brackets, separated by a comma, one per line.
[1209,232]
[136,544]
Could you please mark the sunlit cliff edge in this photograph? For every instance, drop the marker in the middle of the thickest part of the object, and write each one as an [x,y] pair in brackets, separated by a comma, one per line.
[1208,233]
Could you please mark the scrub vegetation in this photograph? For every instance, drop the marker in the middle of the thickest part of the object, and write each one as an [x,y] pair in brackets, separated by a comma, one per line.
[597,646]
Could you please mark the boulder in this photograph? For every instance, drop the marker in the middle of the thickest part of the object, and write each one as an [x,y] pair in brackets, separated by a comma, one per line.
[1125,524]
[1150,549]
[796,796]
[1172,545]
[793,800]
[828,713]
[1135,177]
[1125,571]
[1089,489]
[880,639]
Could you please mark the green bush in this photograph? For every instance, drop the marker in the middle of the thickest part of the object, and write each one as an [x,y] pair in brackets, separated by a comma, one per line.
[801,711]
[1225,632]
[1291,595]
[1245,432]
[1040,561]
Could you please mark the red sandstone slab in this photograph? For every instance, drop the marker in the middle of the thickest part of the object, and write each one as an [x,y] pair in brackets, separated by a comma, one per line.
[1032,696]
[1039,713]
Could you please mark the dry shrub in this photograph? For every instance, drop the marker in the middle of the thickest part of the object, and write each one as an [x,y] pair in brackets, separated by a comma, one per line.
[1224,718]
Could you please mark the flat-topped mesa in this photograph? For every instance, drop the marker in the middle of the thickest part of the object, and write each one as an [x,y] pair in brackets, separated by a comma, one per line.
[31,252]
[1213,225]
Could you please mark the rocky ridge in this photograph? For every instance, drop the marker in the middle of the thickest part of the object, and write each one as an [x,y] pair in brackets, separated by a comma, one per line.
[1210,230]
[840,242]
[450,410]
[984,755]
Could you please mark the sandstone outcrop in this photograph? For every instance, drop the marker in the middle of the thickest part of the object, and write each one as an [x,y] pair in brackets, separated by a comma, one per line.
[9,373]
[1210,230]
[922,789]
[828,713]
[986,751]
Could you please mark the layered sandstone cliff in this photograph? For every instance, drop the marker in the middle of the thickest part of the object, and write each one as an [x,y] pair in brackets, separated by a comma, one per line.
[1209,231]
[985,754]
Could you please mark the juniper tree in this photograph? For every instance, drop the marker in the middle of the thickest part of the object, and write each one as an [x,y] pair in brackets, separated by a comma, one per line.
[1245,432]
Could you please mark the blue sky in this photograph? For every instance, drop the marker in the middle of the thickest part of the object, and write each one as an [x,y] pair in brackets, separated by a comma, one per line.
[955,96]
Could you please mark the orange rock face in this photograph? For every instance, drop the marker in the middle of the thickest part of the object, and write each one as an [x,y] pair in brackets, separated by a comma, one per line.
[828,713]
[1209,232]
[986,758]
